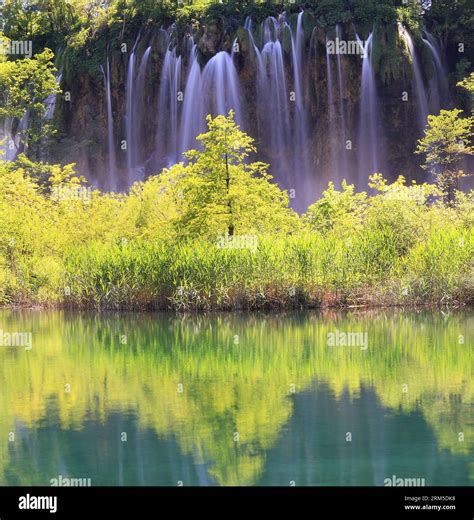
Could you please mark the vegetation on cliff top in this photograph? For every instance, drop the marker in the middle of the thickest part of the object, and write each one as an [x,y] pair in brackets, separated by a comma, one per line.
[81,30]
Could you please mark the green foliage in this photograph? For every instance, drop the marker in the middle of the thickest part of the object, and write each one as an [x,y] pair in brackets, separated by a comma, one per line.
[342,211]
[24,85]
[410,15]
[446,142]
[468,85]
[151,248]
[46,176]
[221,192]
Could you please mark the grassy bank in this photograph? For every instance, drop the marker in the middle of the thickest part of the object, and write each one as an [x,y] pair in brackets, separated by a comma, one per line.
[95,256]
[301,271]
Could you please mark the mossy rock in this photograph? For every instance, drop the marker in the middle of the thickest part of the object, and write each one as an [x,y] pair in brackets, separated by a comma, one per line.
[286,41]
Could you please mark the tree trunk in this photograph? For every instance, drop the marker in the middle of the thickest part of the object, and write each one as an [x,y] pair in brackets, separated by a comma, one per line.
[227,182]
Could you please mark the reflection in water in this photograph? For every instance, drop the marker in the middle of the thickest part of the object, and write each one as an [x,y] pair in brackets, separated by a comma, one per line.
[237,399]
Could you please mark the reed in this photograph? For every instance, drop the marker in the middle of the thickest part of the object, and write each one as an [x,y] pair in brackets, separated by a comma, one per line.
[307,270]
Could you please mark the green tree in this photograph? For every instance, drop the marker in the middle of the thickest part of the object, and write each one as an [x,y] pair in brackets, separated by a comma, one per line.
[468,85]
[342,211]
[446,142]
[221,192]
[451,21]
[24,86]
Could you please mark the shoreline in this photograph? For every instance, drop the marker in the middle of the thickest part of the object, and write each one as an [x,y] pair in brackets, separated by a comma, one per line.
[271,310]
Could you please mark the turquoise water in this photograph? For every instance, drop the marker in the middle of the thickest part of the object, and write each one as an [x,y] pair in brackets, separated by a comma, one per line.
[156,399]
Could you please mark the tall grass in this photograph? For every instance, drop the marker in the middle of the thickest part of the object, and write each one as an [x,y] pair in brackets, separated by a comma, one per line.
[307,270]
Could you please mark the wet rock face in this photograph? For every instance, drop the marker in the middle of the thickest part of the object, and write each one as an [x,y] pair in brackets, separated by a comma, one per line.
[210,42]
[84,121]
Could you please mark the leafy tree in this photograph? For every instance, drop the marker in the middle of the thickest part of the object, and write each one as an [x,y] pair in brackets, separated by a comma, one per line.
[451,21]
[342,211]
[468,84]
[49,21]
[446,142]
[220,192]
[47,176]
[24,86]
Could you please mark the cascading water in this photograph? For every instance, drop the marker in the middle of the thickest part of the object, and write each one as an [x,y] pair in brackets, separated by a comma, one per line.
[369,134]
[301,141]
[339,167]
[169,107]
[7,143]
[439,87]
[112,173]
[135,90]
[140,106]
[273,100]
[192,115]
[20,138]
[181,114]
[282,126]
[418,85]
[50,102]
[333,134]
[220,86]
[129,120]
[342,111]
[12,141]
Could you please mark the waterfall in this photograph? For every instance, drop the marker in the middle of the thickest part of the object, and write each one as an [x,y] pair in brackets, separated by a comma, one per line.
[333,136]
[273,99]
[273,102]
[112,173]
[140,104]
[439,86]
[135,101]
[5,141]
[419,87]
[192,116]
[220,86]
[281,114]
[337,121]
[369,133]
[11,140]
[301,141]
[129,122]
[8,142]
[182,115]
[15,140]
[342,111]
[169,106]
[50,102]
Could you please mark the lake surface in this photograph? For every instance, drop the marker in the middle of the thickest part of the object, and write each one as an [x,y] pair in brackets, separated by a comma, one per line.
[236,399]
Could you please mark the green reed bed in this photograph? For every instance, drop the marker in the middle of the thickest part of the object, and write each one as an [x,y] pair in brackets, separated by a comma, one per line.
[308,270]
